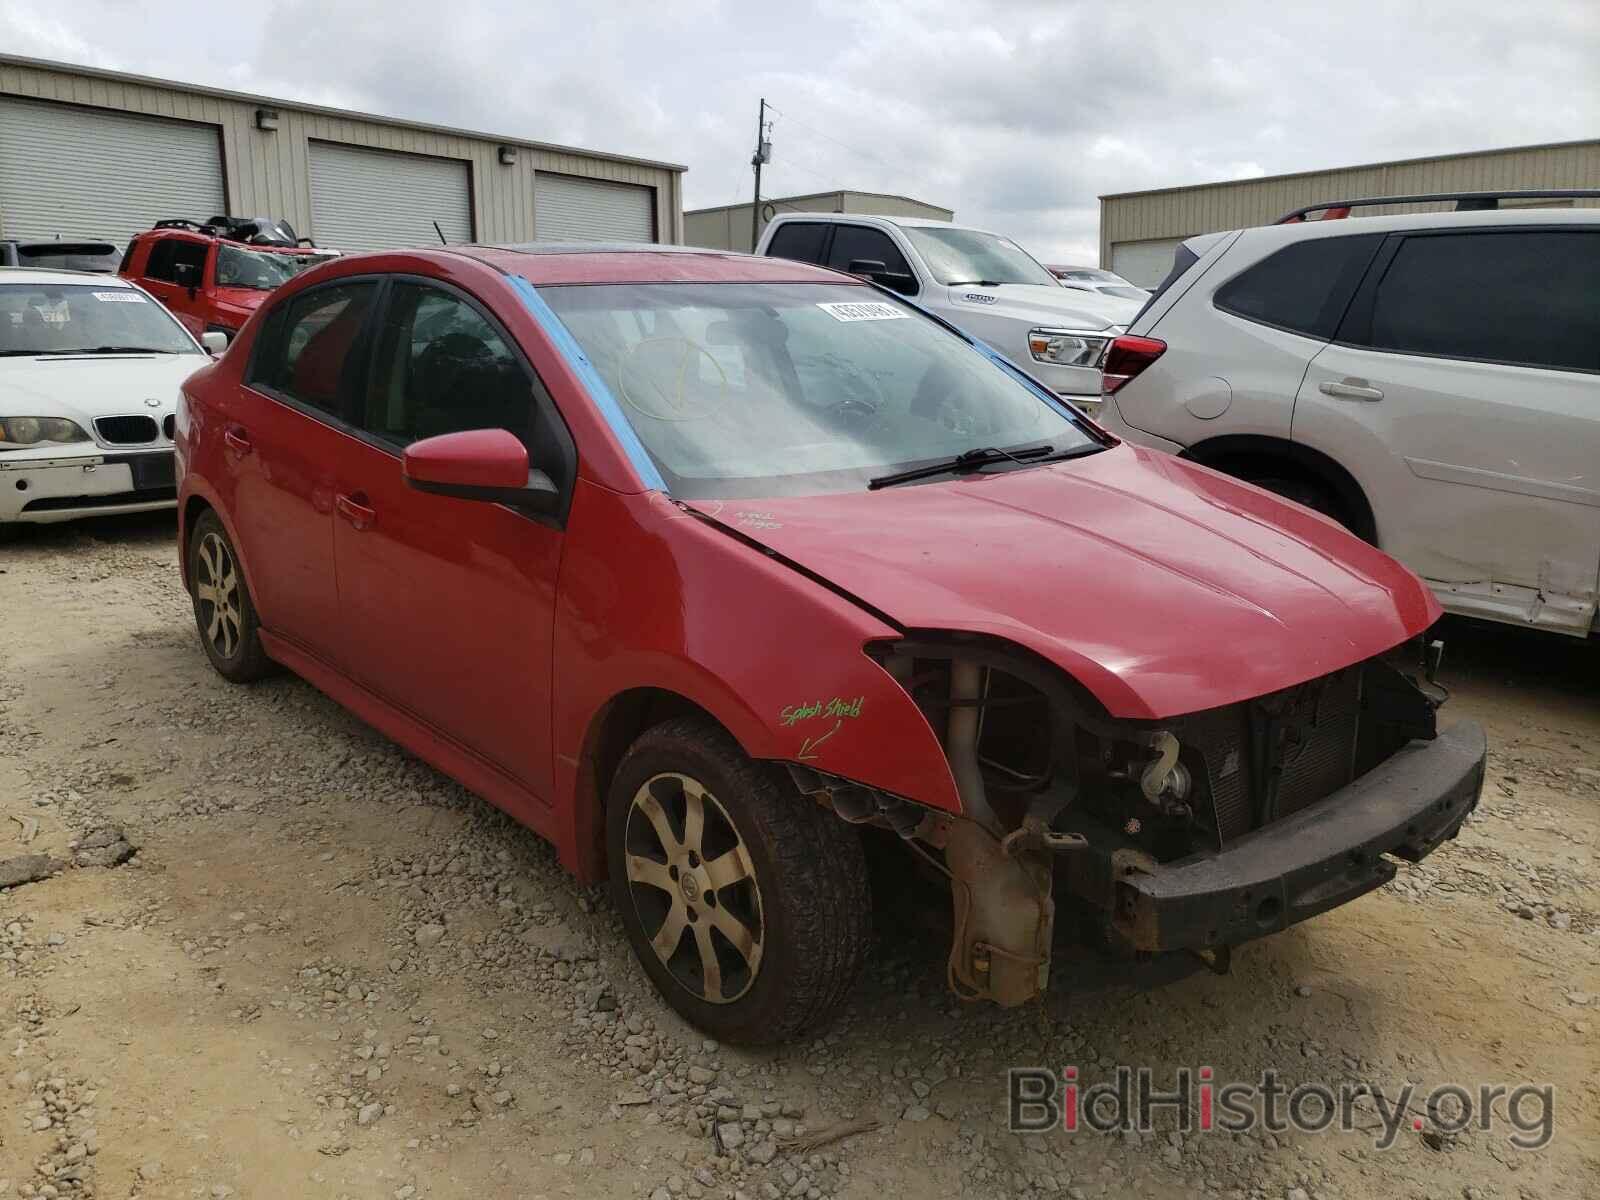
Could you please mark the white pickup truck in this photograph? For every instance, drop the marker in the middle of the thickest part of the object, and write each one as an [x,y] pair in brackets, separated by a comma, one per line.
[980,282]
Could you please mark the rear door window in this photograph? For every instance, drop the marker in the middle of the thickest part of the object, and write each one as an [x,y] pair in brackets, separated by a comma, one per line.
[1304,287]
[170,257]
[1524,297]
[799,240]
[311,349]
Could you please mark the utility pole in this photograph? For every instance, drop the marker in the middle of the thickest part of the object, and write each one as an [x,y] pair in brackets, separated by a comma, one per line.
[763,154]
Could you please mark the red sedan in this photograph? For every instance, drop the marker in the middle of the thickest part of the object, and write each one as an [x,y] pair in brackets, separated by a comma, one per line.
[709,568]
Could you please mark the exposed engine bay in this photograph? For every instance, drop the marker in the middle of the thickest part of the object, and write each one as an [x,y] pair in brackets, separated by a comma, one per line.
[1143,837]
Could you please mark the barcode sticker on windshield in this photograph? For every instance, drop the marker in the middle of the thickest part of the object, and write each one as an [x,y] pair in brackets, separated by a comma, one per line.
[126,297]
[864,310]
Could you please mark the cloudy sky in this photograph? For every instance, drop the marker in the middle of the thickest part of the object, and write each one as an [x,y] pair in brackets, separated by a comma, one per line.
[1016,113]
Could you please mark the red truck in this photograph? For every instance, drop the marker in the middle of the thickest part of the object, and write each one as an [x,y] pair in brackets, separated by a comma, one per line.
[213,275]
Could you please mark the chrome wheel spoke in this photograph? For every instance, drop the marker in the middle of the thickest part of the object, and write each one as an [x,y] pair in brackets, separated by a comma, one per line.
[666,938]
[650,808]
[206,592]
[694,818]
[650,873]
[208,557]
[740,936]
[730,867]
[710,968]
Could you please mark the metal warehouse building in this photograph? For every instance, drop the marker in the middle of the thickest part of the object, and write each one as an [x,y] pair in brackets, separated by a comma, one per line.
[86,153]
[728,227]
[1140,230]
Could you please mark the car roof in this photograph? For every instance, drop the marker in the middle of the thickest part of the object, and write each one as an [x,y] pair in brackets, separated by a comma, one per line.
[881,219]
[1390,222]
[34,275]
[546,263]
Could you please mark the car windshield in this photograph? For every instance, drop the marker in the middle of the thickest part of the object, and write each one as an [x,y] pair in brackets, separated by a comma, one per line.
[261,270]
[71,256]
[69,318]
[970,256]
[1090,275]
[751,390]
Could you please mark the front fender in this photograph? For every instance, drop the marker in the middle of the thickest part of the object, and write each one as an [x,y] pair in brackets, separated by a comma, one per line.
[654,596]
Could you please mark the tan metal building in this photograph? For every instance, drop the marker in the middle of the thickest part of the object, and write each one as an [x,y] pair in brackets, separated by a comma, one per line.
[728,227]
[86,153]
[1140,230]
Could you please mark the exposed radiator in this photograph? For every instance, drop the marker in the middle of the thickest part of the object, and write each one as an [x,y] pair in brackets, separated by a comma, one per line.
[1314,751]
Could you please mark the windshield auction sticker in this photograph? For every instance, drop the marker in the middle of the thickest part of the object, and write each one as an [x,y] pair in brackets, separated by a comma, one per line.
[127,297]
[865,310]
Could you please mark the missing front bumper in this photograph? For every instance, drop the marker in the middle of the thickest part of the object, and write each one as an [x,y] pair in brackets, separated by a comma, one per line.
[1318,858]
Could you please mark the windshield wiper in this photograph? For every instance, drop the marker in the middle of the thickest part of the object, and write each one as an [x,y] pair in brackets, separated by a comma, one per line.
[973,283]
[981,456]
[106,350]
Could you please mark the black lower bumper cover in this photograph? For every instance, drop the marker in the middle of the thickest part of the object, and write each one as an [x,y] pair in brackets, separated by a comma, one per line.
[1315,860]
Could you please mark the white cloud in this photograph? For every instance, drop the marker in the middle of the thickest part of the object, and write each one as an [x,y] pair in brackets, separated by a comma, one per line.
[1016,113]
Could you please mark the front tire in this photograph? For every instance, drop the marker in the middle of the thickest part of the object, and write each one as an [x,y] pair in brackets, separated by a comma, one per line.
[223,611]
[746,903]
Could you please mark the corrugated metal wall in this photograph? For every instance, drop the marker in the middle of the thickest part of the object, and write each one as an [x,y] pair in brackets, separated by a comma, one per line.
[268,173]
[728,227]
[1184,212]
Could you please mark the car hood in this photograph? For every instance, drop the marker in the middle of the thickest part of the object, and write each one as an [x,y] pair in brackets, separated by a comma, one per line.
[82,387]
[1161,586]
[1044,305]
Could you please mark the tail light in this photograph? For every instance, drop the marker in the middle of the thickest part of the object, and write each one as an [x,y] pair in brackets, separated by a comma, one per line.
[1126,357]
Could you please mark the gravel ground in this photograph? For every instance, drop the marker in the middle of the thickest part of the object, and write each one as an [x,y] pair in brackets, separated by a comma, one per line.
[327,971]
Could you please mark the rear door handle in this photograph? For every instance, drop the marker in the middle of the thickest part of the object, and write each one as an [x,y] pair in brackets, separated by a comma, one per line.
[1350,389]
[355,510]
[237,440]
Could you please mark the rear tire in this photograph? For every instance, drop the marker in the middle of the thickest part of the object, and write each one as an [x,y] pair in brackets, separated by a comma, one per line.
[746,903]
[223,611]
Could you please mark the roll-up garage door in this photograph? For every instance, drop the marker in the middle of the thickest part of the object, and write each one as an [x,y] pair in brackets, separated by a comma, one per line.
[567,208]
[365,199]
[1144,263]
[86,173]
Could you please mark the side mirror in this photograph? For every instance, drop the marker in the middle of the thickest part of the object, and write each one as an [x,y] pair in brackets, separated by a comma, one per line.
[479,464]
[214,341]
[878,271]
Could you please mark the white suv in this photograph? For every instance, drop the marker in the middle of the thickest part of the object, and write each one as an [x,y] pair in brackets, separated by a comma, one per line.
[980,282]
[1432,381]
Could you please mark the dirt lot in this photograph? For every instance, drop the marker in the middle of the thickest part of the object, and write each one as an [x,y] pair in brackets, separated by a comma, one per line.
[328,971]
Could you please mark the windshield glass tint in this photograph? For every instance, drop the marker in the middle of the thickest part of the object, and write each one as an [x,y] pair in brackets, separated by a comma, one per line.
[61,318]
[745,390]
[968,256]
[260,270]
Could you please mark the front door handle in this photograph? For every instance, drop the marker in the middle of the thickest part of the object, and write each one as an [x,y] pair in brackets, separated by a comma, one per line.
[1350,389]
[237,440]
[355,510]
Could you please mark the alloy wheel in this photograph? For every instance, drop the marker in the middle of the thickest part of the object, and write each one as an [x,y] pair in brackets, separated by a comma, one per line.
[217,593]
[693,887]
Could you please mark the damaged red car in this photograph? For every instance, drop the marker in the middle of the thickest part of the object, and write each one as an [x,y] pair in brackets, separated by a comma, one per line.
[709,568]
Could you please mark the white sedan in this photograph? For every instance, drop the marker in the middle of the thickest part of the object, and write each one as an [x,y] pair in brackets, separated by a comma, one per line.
[89,373]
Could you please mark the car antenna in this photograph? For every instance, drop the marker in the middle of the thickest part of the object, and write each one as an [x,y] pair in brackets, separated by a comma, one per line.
[442,240]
